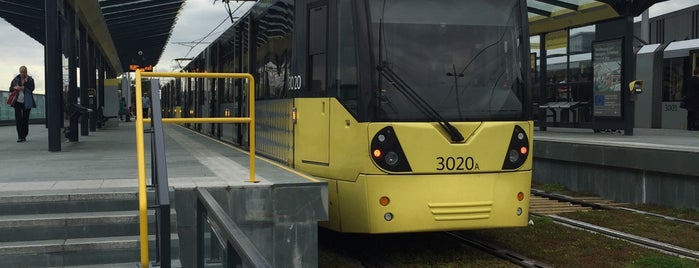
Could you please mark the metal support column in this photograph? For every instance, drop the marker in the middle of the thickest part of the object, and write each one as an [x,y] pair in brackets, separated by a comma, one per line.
[92,85]
[53,70]
[101,62]
[629,74]
[84,73]
[543,96]
[70,50]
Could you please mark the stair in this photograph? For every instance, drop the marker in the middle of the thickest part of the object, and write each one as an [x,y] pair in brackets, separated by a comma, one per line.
[74,229]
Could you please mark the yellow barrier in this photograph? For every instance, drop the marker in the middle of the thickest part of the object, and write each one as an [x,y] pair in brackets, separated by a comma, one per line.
[140,145]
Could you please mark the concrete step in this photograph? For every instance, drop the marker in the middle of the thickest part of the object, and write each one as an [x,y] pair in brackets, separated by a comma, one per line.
[173,264]
[82,200]
[82,251]
[74,227]
[28,227]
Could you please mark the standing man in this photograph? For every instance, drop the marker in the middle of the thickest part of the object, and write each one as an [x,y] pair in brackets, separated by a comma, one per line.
[146,105]
[690,95]
[24,84]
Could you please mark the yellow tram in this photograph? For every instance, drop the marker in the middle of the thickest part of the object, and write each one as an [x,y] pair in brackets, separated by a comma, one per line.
[416,113]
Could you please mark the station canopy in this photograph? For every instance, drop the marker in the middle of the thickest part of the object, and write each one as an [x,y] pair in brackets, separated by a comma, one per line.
[136,31]
[553,15]
[126,31]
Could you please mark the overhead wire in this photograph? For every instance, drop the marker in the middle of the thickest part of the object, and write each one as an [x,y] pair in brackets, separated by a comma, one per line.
[199,41]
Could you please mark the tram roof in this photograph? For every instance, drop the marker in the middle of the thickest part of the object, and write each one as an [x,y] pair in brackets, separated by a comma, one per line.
[120,28]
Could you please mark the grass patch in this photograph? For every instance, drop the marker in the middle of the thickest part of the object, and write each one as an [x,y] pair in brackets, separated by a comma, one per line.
[551,188]
[561,246]
[559,189]
[682,213]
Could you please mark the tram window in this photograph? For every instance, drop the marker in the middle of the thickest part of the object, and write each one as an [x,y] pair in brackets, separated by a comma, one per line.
[317,30]
[673,77]
[317,46]
[318,74]
[347,90]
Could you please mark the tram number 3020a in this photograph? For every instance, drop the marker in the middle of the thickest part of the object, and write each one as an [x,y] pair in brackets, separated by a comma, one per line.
[456,163]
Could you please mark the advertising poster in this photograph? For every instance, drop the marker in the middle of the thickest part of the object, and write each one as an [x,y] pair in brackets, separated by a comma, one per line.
[606,69]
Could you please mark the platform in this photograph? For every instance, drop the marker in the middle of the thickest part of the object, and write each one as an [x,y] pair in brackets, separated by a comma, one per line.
[658,166]
[284,202]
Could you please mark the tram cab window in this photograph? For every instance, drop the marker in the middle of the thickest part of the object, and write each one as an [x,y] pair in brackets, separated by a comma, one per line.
[347,89]
[317,47]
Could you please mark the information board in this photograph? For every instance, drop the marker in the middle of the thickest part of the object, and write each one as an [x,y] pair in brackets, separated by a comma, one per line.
[606,68]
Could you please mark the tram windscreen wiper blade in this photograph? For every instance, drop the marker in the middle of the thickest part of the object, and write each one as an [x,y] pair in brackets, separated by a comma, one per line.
[418,101]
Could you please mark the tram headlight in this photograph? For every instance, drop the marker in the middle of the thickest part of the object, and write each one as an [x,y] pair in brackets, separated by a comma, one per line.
[518,149]
[391,158]
[386,151]
[513,155]
[388,216]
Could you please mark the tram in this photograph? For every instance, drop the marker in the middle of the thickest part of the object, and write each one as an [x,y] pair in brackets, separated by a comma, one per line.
[416,113]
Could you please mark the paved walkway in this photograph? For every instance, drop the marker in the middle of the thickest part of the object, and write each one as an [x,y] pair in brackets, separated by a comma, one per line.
[643,138]
[106,159]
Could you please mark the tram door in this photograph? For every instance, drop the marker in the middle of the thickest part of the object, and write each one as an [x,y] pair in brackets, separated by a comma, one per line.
[314,120]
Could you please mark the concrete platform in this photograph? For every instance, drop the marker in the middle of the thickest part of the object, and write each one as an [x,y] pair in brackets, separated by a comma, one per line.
[107,159]
[658,166]
[279,213]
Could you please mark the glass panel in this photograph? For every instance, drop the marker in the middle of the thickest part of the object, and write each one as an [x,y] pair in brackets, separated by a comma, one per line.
[318,72]
[472,69]
[7,113]
[347,88]
[673,77]
[317,30]
[214,246]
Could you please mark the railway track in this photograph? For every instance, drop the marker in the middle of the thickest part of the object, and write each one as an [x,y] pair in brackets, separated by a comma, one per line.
[500,252]
[542,203]
[646,242]
[548,205]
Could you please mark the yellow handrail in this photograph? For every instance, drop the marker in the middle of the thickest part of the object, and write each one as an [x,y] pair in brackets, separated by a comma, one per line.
[140,146]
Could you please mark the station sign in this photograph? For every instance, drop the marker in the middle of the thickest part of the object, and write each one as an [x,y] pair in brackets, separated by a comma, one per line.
[147,68]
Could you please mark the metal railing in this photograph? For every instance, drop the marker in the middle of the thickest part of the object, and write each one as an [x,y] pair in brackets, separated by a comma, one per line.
[159,168]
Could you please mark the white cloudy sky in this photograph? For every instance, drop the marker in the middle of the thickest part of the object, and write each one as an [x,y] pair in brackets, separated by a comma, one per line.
[199,20]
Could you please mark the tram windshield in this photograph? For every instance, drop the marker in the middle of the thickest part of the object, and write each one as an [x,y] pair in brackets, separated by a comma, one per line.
[461,58]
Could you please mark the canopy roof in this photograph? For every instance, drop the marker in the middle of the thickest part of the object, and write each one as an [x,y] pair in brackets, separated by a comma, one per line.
[552,15]
[126,31]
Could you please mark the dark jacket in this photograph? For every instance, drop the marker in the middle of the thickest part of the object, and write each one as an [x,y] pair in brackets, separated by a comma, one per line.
[28,91]
[690,93]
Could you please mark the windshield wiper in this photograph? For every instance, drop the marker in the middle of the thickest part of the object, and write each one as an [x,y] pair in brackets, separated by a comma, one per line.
[418,101]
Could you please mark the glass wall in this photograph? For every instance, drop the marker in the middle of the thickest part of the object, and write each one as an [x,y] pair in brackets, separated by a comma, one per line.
[7,113]
[567,99]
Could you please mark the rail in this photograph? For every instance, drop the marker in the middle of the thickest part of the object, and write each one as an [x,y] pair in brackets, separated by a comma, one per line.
[238,249]
[159,168]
